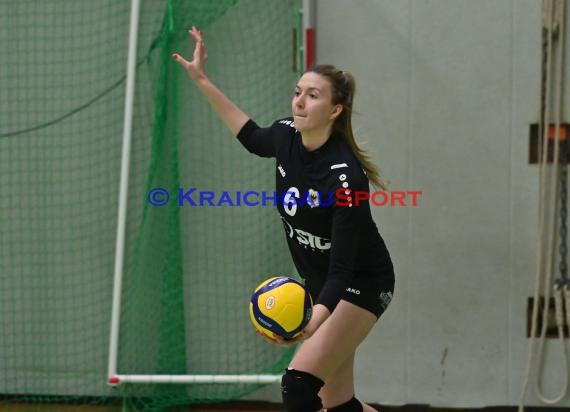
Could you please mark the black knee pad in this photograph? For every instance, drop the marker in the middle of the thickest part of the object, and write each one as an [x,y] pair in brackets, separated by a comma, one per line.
[300,391]
[352,405]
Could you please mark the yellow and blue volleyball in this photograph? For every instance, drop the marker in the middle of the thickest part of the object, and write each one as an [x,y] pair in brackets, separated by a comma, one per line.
[280,305]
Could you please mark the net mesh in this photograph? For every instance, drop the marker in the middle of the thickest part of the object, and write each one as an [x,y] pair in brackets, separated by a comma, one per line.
[189,270]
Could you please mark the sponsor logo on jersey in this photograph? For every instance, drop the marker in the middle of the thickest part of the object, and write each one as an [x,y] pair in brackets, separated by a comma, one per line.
[282,171]
[314,198]
[306,239]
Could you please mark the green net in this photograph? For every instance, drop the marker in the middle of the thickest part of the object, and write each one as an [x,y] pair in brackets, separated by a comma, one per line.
[188,270]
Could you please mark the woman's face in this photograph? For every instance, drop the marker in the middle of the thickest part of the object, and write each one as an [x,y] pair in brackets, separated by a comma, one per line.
[312,103]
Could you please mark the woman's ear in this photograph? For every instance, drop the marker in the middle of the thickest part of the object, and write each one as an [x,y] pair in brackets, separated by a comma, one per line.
[336,111]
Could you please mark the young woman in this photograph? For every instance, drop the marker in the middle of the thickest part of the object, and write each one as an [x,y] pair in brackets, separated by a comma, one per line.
[332,238]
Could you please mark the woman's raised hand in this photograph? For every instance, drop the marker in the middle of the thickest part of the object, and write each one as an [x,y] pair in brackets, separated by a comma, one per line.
[230,113]
[195,68]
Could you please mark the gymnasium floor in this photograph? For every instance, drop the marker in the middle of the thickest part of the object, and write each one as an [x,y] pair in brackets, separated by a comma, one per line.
[257,407]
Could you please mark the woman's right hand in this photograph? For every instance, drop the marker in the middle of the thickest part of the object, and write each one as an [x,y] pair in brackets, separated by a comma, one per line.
[195,68]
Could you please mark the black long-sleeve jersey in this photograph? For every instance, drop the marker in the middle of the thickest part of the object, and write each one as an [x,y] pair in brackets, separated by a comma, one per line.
[330,239]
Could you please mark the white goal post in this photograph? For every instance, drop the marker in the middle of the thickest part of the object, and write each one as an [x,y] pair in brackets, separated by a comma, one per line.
[115,378]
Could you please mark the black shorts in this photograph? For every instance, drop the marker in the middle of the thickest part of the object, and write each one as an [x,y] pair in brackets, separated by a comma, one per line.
[372,293]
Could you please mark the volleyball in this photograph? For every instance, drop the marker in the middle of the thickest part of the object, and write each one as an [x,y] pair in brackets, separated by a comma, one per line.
[280,305]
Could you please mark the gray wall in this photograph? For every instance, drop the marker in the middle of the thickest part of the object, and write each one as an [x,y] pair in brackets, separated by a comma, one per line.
[447,90]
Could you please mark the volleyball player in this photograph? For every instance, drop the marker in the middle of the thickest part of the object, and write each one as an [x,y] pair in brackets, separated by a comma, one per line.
[336,246]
